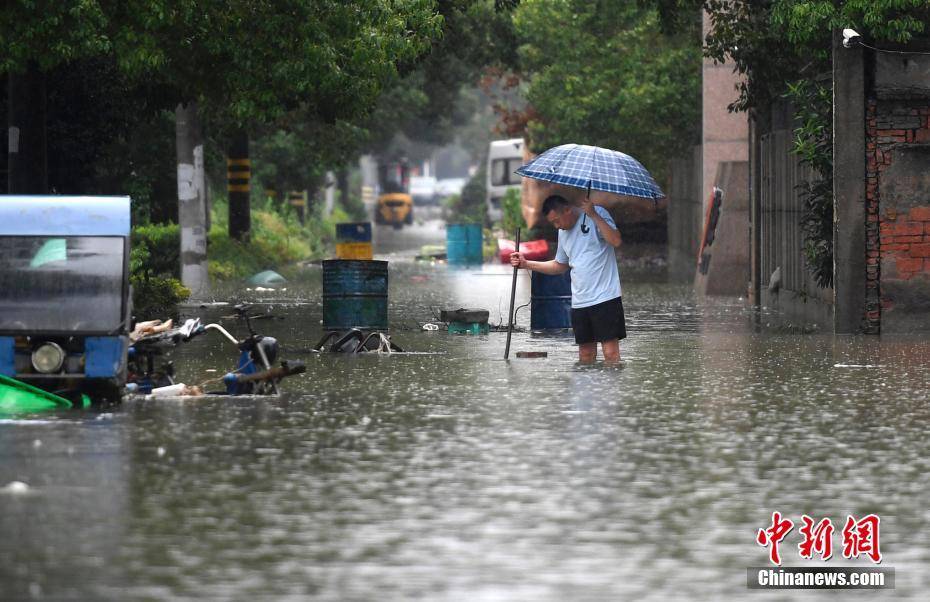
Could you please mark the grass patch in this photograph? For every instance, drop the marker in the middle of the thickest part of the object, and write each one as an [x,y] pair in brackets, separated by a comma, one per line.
[277,239]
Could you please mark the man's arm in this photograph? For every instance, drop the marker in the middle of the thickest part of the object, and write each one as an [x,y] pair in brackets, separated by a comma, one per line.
[551,267]
[610,234]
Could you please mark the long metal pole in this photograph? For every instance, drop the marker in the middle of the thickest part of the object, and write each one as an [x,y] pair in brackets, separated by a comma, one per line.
[513,294]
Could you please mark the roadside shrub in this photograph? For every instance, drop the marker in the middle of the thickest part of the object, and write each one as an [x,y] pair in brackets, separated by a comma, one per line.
[512,213]
[469,207]
[354,208]
[154,271]
[162,245]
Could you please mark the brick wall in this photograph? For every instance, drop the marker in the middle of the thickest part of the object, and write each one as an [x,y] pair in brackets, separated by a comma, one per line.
[897,214]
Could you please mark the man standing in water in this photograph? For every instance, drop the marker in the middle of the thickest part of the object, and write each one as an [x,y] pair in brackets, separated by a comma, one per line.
[587,239]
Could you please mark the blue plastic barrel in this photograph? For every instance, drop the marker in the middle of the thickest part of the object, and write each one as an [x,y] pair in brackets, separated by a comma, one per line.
[550,301]
[355,294]
[463,244]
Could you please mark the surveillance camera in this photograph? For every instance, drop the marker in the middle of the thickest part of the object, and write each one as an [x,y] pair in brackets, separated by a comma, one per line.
[849,37]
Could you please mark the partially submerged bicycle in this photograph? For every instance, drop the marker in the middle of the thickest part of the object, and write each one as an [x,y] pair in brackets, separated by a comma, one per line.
[254,373]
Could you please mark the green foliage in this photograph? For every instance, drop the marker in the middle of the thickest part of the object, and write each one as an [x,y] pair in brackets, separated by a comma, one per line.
[160,244]
[813,144]
[881,20]
[470,207]
[354,208]
[244,59]
[773,42]
[276,240]
[512,213]
[425,102]
[743,34]
[603,73]
[157,297]
[154,271]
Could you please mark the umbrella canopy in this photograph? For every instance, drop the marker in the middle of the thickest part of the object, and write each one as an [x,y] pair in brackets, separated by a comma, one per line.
[593,168]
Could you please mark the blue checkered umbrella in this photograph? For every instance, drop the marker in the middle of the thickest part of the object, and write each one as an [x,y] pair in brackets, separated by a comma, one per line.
[593,168]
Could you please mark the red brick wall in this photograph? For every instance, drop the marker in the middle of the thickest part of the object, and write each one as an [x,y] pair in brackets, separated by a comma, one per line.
[897,241]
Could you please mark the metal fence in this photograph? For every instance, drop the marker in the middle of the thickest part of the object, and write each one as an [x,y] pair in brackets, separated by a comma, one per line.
[782,207]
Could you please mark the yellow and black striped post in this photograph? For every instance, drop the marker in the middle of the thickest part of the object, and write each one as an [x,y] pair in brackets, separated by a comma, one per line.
[238,186]
[298,200]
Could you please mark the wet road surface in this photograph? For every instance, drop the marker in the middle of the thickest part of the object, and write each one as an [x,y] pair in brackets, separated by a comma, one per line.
[450,474]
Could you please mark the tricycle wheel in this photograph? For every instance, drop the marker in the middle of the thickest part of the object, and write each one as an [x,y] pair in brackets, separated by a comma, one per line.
[104,393]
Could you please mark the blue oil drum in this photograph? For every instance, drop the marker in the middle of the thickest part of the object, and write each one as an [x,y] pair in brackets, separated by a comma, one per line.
[355,294]
[463,244]
[550,301]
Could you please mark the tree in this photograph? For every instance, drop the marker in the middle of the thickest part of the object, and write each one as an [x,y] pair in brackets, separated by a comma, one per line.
[243,61]
[604,73]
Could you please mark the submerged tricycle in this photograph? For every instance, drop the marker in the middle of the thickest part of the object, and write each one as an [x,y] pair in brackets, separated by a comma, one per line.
[64,293]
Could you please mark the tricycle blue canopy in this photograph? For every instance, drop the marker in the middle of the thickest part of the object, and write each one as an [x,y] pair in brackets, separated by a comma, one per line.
[64,292]
[64,216]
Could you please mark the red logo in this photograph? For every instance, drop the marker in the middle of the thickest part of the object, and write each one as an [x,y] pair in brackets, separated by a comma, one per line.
[817,538]
[859,537]
[774,534]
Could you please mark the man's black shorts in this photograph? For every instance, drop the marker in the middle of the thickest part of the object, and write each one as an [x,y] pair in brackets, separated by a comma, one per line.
[598,323]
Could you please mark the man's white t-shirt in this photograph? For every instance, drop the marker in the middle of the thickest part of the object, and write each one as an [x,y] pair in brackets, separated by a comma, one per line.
[595,276]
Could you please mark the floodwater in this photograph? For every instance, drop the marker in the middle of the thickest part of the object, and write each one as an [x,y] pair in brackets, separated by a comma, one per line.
[449,474]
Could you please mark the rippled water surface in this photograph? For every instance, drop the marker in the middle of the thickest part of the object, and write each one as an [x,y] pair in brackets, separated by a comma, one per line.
[450,474]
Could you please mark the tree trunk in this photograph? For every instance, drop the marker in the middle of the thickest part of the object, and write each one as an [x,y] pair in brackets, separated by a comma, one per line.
[342,178]
[329,193]
[27,162]
[192,200]
[238,183]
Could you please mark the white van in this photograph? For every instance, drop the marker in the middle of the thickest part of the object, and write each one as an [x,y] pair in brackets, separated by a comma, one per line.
[504,157]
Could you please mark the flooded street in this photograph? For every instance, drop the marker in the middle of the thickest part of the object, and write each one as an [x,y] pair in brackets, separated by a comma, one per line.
[450,474]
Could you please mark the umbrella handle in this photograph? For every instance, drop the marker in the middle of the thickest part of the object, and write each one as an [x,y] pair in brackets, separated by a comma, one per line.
[584,216]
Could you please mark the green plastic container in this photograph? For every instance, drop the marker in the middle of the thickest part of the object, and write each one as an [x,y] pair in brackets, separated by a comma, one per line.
[469,328]
[17,397]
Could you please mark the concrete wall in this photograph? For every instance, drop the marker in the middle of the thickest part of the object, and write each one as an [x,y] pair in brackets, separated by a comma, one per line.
[685,218]
[725,135]
[849,190]
[728,271]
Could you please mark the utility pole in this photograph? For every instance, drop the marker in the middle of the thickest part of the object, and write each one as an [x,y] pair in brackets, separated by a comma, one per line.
[192,200]
[238,184]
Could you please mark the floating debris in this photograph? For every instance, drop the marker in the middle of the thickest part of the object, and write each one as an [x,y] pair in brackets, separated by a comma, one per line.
[15,488]
[268,278]
[177,390]
[209,304]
